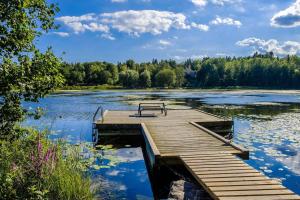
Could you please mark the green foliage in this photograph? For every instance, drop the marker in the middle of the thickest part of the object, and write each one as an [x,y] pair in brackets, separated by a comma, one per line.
[21,23]
[31,167]
[180,76]
[259,70]
[208,74]
[25,73]
[129,78]
[145,79]
[165,78]
[34,168]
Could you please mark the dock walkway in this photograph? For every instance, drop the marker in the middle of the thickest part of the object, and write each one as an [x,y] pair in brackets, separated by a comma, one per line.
[216,163]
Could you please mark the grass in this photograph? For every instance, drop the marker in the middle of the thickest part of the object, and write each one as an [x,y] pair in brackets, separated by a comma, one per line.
[118,87]
[89,87]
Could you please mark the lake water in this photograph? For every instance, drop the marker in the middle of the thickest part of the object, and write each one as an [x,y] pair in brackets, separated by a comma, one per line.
[265,122]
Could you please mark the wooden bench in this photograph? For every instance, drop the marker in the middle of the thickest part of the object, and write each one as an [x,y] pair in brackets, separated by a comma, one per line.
[152,107]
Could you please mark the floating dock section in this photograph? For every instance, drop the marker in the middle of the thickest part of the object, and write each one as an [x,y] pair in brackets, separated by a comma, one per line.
[216,163]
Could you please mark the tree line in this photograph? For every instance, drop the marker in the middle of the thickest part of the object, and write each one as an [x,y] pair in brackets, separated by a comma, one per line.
[259,70]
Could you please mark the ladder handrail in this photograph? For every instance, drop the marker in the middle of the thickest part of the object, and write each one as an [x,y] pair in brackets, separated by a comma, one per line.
[95,114]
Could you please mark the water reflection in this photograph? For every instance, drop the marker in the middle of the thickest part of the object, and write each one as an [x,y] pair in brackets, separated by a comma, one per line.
[128,179]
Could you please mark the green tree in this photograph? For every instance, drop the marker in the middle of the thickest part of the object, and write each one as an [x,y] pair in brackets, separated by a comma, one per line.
[133,78]
[129,79]
[165,78]
[145,79]
[208,74]
[26,74]
[180,76]
[113,69]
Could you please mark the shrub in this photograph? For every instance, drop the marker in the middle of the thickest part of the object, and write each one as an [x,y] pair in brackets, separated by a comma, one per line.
[32,167]
[165,78]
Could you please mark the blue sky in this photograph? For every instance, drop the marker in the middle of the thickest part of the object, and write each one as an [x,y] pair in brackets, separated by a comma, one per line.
[117,30]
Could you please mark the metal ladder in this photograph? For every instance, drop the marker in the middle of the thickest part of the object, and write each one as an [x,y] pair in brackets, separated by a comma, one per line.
[95,132]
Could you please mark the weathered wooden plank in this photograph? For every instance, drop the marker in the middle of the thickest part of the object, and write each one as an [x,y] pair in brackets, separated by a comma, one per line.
[150,140]
[247,187]
[219,166]
[203,156]
[224,169]
[257,178]
[199,163]
[243,183]
[200,160]
[241,171]
[252,192]
[251,174]
[261,197]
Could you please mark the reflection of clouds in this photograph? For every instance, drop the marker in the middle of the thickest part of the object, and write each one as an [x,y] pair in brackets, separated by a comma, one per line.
[113,173]
[293,162]
[143,176]
[283,129]
[108,189]
[127,154]
[278,138]
[122,187]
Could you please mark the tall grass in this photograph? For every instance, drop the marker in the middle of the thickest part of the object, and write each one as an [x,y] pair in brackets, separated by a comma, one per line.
[32,167]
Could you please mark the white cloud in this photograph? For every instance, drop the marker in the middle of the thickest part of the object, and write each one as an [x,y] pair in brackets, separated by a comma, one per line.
[262,46]
[222,54]
[61,34]
[287,18]
[203,3]
[164,42]
[160,44]
[108,36]
[96,27]
[118,1]
[132,22]
[194,57]
[199,3]
[83,23]
[223,2]
[136,22]
[271,7]
[201,27]
[226,21]
[86,17]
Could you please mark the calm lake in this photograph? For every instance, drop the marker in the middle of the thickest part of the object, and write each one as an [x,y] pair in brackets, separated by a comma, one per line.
[265,122]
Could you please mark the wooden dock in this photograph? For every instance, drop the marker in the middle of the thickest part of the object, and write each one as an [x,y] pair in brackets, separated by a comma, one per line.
[216,163]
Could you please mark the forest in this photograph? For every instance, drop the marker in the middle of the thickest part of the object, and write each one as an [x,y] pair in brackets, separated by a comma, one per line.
[259,70]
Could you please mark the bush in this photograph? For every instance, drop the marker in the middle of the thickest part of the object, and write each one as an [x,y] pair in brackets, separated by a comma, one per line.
[145,79]
[34,168]
[165,78]
[129,79]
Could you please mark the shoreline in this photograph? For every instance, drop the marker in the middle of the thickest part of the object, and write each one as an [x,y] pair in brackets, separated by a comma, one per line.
[235,90]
